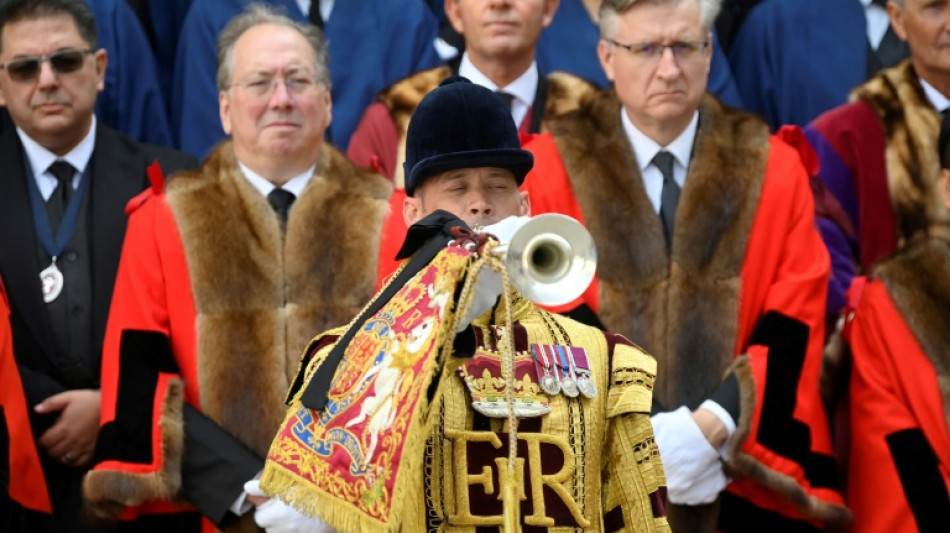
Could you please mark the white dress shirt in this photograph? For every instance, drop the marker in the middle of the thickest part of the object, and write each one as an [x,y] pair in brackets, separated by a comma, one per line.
[646,148]
[295,185]
[523,88]
[940,102]
[326,7]
[40,159]
[877,22]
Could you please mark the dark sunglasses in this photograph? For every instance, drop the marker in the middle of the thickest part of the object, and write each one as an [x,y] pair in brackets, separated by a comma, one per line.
[62,62]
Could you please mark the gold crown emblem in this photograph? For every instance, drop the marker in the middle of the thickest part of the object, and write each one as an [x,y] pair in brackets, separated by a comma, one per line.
[483,376]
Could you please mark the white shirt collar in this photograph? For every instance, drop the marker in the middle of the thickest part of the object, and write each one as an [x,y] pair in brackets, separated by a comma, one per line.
[326,7]
[295,184]
[646,148]
[877,22]
[40,159]
[523,88]
[937,99]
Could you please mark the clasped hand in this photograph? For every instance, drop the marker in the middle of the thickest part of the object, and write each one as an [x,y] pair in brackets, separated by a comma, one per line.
[693,468]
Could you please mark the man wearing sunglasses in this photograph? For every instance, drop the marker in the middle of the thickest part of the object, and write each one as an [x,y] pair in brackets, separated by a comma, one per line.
[66,180]
[710,260]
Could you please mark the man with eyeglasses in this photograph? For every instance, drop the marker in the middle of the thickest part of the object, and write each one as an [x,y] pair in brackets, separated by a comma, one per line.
[225,276]
[67,179]
[709,259]
[373,43]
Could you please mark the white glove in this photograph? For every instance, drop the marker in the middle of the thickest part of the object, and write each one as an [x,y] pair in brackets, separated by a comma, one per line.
[693,470]
[486,292]
[275,516]
[506,228]
[489,284]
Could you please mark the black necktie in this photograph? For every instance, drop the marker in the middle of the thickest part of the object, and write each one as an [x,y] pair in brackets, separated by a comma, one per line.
[63,192]
[507,98]
[315,15]
[882,3]
[281,201]
[670,195]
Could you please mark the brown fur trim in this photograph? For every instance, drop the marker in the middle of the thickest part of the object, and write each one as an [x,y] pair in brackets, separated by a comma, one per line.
[108,492]
[911,127]
[744,465]
[259,296]
[565,93]
[742,368]
[741,464]
[685,314]
[917,282]
[835,370]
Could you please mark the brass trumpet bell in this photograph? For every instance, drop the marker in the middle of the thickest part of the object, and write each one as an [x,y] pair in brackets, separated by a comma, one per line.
[551,259]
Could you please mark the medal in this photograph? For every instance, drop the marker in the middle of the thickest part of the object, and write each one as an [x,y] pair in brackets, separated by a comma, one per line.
[586,386]
[549,383]
[53,243]
[582,368]
[52,282]
[568,382]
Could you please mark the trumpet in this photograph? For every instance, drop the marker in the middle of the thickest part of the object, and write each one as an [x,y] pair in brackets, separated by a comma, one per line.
[551,259]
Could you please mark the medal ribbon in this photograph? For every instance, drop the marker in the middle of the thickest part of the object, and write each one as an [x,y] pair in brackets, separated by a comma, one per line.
[563,355]
[44,232]
[579,357]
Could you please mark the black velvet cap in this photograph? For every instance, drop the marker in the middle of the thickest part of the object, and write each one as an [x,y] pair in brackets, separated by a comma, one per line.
[462,125]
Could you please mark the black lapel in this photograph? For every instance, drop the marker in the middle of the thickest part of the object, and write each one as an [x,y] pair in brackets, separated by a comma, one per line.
[118,174]
[19,264]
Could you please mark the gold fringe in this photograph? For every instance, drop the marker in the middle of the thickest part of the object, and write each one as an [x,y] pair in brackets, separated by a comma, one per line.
[408,487]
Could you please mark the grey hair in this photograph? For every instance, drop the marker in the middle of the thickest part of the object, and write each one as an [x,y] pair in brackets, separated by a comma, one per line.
[609,9]
[255,15]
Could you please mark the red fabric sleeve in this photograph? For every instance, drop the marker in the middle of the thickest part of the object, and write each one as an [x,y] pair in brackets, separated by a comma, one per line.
[784,282]
[151,300]
[151,266]
[27,482]
[893,388]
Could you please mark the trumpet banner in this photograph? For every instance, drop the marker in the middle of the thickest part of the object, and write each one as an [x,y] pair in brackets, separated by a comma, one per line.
[357,464]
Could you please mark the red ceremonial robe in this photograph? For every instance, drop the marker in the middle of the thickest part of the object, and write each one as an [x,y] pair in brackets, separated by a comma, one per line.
[213,307]
[899,471]
[743,293]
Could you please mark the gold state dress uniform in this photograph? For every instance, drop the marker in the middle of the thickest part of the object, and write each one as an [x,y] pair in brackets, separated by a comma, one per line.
[414,433]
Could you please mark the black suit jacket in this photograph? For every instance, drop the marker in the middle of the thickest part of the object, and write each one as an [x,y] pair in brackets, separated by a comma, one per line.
[118,173]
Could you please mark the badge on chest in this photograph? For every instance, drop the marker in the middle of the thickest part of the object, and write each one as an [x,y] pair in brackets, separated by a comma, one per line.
[546,371]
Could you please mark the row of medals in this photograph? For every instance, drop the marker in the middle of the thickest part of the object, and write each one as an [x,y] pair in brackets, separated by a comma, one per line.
[574,383]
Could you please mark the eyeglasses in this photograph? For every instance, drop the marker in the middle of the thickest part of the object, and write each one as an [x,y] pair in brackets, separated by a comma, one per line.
[683,51]
[62,62]
[264,87]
